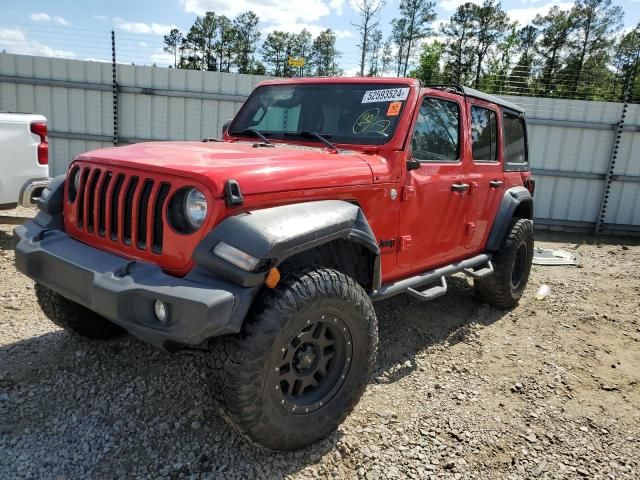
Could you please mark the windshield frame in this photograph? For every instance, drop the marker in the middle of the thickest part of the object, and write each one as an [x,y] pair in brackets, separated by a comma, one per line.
[394,141]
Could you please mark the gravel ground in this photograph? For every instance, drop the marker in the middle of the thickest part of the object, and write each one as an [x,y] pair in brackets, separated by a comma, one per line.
[461,390]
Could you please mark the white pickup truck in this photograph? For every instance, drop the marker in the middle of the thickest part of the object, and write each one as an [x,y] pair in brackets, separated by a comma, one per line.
[24,158]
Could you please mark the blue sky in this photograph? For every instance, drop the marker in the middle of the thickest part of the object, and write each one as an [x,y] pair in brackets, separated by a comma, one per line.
[80,30]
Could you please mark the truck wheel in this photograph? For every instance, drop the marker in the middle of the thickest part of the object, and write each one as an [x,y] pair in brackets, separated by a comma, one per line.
[301,362]
[74,317]
[512,265]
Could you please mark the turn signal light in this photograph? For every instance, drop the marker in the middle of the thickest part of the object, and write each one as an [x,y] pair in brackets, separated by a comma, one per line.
[273,277]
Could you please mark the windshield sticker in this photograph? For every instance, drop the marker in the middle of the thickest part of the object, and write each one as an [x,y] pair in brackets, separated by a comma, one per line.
[394,109]
[386,95]
[369,122]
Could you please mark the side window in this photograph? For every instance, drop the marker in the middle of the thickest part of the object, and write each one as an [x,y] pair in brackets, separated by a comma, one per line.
[484,134]
[436,136]
[515,148]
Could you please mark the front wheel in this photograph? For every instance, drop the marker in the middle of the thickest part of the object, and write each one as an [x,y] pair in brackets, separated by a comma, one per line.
[512,264]
[300,364]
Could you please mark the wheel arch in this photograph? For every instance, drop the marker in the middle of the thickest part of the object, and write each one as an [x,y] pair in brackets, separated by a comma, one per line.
[331,233]
[517,202]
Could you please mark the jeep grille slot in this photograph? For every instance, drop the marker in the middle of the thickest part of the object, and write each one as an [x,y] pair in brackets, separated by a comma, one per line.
[90,205]
[81,197]
[122,209]
[158,224]
[102,209]
[115,197]
[143,210]
[128,210]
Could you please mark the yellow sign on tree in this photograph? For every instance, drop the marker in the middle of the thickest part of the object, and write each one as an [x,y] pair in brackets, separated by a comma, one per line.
[296,62]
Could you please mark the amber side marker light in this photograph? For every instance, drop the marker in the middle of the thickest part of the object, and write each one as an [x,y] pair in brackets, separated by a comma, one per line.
[273,277]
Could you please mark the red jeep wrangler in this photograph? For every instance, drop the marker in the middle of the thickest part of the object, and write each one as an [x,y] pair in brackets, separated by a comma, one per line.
[267,248]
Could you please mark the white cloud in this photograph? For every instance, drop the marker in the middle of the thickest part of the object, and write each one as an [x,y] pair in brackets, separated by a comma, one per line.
[336,6]
[46,18]
[141,27]
[352,72]
[296,27]
[451,5]
[14,40]
[101,17]
[279,12]
[162,59]
[524,16]
[343,33]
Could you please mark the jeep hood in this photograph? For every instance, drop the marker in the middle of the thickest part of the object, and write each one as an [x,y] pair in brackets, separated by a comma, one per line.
[257,169]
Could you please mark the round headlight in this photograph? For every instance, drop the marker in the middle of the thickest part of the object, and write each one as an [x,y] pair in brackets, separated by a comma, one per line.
[195,208]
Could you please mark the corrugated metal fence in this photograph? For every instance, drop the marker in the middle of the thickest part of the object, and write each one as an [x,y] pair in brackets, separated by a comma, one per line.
[572,143]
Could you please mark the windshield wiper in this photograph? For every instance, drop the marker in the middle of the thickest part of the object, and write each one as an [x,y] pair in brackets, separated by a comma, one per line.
[318,136]
[256,133]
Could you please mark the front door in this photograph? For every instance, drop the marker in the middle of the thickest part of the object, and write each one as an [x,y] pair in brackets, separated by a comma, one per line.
[432,218]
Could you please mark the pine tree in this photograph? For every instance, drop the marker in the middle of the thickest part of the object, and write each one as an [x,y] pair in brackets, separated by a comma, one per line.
[325,55]
[274,52]
[172,44]
[368,11]
[417,14]
[458,44]
[595,24]
[245,42]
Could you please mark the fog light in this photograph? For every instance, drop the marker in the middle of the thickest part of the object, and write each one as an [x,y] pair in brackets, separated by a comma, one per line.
[161,310]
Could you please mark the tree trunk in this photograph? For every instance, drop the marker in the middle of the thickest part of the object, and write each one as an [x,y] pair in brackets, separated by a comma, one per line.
[476,84]
[406,62]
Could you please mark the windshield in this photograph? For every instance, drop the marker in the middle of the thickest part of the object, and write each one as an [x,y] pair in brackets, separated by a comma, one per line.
[351,113]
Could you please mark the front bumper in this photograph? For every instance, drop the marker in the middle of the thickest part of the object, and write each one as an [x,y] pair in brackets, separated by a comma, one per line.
[200,305]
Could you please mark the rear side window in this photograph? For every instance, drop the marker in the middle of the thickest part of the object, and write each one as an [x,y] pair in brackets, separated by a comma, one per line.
[515,142]
[436,136]
[484,134]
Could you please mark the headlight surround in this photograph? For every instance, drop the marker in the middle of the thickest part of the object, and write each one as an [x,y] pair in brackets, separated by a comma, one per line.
[195,208]
[188,210]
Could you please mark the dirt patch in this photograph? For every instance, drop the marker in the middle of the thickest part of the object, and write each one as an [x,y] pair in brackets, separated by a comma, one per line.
[462,390]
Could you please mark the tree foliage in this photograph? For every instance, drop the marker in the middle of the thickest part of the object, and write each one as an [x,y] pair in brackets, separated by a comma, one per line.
[576,52]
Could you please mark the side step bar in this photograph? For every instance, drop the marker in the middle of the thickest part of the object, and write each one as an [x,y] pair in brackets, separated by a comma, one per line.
[409,285]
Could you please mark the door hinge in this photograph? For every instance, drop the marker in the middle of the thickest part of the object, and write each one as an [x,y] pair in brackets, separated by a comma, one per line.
[408,192]
[405,242]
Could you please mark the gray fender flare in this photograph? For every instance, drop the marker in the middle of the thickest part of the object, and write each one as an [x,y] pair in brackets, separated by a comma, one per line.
[277,233]
[513,198]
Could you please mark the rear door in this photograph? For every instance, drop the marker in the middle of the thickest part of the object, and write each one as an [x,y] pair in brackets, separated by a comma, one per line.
[434,208]
[486,176]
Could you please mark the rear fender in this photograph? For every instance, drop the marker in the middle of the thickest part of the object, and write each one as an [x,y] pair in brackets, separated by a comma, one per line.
[275,234]
[517,202]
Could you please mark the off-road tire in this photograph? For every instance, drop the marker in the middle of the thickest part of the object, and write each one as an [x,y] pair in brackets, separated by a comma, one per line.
[513,259]
[74,317]
[242,368]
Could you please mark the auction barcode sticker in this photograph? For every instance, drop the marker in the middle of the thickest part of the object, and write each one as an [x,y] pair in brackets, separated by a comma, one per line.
[386,95]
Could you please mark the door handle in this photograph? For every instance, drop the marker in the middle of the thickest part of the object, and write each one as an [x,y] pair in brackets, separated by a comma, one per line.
[459,187]
[496,183]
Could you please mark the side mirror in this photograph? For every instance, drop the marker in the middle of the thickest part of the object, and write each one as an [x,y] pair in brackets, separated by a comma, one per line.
[225,127]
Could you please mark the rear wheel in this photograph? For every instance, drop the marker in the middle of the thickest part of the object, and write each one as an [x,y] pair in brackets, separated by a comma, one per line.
[74,317]
[512,265]
[300,364]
